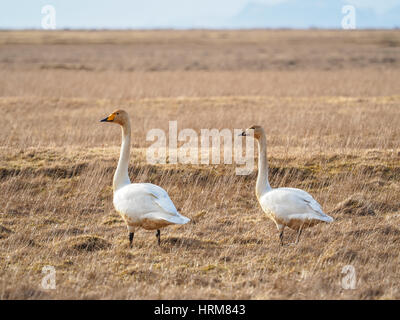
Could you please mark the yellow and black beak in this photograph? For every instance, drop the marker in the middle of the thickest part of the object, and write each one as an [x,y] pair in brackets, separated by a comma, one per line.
[110,118]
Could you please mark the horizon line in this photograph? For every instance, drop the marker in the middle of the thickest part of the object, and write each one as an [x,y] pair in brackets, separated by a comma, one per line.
[196,28]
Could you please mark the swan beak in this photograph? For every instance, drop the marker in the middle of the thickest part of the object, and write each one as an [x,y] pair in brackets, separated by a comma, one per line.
[110,118]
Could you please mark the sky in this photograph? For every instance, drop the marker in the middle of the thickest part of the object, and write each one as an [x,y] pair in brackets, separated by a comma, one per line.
[148,14]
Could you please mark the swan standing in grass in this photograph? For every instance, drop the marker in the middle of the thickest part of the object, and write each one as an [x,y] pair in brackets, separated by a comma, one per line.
[140,204]
[289,207]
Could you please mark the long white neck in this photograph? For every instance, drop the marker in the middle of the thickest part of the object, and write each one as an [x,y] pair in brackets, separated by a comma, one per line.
[262,185]
[121,177]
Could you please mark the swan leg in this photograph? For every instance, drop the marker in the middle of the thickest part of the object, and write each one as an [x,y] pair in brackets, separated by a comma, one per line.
[131,234]
[158,235]
[281,228]
[299,234]
[281,237]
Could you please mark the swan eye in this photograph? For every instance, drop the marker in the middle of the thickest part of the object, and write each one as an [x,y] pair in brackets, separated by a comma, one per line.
[117,113]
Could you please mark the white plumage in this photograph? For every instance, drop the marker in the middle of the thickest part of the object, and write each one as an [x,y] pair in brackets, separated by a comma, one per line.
[287,207]
[146,205]
[142,205]
[290,205]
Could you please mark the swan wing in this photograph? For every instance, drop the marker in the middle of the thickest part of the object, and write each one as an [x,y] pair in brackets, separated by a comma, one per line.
[161,198]
[313,205]
[308,199]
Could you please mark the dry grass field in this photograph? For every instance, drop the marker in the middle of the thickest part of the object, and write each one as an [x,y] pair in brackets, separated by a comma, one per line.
[328,100]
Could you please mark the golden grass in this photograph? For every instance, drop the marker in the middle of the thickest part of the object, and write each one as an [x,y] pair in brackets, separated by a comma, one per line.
[331,131]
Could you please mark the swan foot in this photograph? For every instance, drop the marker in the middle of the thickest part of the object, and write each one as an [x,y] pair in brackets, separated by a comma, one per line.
[130,238]
[158,235]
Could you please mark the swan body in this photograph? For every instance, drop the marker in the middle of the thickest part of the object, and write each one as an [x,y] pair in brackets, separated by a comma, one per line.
[287,207]
[142,205]
[146,205]
[292,207]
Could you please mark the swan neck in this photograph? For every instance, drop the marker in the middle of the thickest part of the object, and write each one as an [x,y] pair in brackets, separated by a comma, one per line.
[262,185]
[121,177]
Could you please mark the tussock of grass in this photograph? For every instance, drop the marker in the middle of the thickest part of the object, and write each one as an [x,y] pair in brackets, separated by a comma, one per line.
[357,205]
[87,243]
[4,232]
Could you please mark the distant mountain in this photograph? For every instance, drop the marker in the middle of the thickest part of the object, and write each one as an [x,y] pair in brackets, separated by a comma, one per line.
[308,14]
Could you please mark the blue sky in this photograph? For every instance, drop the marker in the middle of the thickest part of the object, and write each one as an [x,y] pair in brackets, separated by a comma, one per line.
[98,14]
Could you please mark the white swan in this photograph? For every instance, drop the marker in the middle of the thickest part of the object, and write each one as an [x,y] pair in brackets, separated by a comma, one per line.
[289,207]
[140,204]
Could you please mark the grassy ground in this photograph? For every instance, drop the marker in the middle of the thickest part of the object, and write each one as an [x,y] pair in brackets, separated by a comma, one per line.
[328,101]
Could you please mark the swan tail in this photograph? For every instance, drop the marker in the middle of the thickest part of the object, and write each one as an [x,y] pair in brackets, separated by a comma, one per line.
[324,218]
[182,220]
[177,219]
[312,216]
[327,218]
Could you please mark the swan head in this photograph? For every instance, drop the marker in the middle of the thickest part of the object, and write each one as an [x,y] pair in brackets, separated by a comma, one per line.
[118,116]
[256,131]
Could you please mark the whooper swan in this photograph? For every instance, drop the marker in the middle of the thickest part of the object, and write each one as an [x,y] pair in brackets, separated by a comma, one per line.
[140,204]
[289,207]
